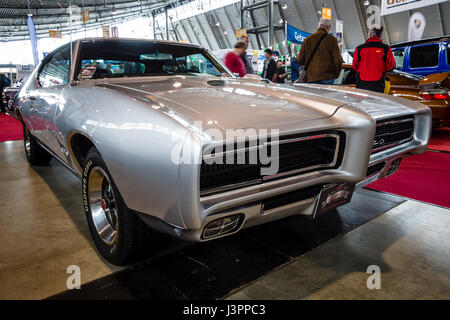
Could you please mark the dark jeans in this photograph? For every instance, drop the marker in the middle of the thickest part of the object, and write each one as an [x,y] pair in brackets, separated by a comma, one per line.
[377,87]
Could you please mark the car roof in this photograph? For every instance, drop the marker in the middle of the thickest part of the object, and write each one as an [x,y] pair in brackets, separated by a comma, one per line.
[138,40]
[423,41]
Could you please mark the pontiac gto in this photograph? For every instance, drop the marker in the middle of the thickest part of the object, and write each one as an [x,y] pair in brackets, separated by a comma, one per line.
[124,114]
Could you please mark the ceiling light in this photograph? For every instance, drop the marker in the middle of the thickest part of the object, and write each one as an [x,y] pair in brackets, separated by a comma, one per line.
[225,33]
[217,23]
[284,7]
[280,21]
[30,14]
[366,3]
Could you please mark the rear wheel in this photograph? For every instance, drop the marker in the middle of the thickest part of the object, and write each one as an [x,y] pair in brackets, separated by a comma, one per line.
[36,155]
[119,234]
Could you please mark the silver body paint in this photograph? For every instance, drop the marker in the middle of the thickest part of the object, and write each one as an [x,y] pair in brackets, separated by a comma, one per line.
[136,122]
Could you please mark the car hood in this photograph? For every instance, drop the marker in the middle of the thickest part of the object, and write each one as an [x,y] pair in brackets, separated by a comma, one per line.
[378,105]
[437,79]
[229,103]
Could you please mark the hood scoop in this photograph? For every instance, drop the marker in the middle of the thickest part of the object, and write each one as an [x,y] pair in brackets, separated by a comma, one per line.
[217,83]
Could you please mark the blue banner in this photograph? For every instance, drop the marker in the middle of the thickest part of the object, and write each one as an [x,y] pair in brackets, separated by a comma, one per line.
[295,35]
[32,33]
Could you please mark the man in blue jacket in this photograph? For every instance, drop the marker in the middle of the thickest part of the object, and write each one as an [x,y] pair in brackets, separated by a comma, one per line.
[295,66]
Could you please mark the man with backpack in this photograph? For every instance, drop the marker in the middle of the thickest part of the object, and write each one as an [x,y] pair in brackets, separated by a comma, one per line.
[371,61]
[320,55]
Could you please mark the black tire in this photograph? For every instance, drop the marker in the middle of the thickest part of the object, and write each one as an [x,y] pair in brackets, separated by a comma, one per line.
[36,155]
[133,238]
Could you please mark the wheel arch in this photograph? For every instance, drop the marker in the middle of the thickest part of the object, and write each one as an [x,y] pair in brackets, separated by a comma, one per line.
[79,145]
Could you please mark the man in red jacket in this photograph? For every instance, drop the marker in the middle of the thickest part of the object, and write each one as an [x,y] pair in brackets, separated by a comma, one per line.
[233,59]
[371,61]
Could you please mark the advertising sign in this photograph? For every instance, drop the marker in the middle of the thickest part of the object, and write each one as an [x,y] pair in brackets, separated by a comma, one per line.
[326,13]
[241,32]
[55,34]
[394,6]
[295,35]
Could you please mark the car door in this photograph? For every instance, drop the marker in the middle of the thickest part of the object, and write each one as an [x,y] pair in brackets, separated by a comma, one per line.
[52,78]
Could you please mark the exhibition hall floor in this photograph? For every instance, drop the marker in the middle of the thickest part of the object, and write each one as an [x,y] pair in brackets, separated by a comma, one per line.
[43,232]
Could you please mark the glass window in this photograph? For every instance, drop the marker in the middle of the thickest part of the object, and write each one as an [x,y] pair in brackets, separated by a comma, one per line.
[56,70]
[125,58]
[424,56]
[448,54]
[399,56]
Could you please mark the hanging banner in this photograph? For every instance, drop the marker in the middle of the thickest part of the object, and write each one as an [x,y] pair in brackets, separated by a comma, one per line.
[394,6]
[85,15]
[295,35]
[105,30]
[114,32]
[416,26]
[32,33]
[340,33]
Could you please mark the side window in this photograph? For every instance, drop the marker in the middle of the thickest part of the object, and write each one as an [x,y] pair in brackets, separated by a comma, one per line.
[399,56]
[424,56]
[448,54]
[56,70]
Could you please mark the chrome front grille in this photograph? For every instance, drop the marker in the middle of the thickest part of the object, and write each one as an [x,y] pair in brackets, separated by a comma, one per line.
[297,154]
[392,132]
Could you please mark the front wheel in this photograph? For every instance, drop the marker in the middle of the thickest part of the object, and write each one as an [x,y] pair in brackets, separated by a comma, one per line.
[36,155]
[119,235]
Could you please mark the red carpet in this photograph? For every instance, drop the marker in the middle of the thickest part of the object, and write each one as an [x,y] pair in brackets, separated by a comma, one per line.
[10,128]
[440,140]
[424,177]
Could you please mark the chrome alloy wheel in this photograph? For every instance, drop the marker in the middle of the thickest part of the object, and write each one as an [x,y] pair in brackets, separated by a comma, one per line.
[103,205]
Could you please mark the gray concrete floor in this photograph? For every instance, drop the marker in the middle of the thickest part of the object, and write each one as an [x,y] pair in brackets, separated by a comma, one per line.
[42,228]
[43,231]
[410,244]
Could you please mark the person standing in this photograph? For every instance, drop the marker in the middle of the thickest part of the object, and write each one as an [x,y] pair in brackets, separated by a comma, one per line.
[295,66]
[371,61]
[4,82]
[233,59]
[325,63]
[247,63]
[282,75]
[270,71]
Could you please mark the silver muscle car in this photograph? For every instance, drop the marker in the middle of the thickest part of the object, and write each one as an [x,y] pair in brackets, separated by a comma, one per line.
[145,125]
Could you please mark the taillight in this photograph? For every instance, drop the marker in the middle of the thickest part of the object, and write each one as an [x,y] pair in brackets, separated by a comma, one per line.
[426,96]
[440,96]
[435,95]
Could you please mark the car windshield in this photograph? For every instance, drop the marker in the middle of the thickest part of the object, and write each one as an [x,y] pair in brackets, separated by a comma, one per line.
[126,58]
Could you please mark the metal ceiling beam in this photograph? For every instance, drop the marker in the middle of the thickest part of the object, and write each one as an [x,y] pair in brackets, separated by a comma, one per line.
[226,40]
[193,30]
[203,31]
